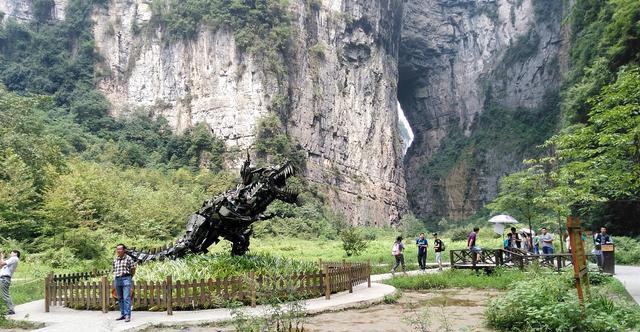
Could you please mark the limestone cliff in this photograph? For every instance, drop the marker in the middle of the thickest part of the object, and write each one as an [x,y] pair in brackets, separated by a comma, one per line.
[449,62]
[23,10]
[340,90]
[343,93]
[457,59]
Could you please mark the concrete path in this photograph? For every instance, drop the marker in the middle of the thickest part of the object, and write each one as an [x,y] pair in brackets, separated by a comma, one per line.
[68,320]
[630,278]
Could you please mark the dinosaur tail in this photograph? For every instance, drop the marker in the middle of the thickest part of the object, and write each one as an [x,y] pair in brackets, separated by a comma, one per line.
[170,251]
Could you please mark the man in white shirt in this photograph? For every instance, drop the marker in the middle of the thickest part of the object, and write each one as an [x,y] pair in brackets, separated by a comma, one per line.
[7,268]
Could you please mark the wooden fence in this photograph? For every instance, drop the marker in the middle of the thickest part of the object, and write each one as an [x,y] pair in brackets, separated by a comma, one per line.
[93,291]
[488,258]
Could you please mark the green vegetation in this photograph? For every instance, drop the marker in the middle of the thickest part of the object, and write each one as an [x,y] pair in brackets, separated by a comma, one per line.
[593,165]
[222,265]
[590,167]
[627,250]
[548,303]
[12,324]
[256,25]
[261,27]
[499,279]
[353,242]
[605,36]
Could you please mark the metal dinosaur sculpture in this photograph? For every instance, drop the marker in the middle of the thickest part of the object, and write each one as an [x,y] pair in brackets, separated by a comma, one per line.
[230,215]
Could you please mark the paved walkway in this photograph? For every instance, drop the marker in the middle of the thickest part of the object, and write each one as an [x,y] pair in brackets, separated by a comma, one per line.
[61,319]
[630,278]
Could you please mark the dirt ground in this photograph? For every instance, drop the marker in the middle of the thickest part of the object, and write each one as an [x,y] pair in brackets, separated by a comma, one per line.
[459,310]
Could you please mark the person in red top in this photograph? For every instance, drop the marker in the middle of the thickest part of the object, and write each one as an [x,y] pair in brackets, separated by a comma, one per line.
[471,244]
[471,239]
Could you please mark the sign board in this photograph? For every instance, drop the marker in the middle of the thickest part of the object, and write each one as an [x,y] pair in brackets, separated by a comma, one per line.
[578,259]
[606,247]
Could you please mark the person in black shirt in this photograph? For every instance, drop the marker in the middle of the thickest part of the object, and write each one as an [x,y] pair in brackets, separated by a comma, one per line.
[438,246]
[600,239]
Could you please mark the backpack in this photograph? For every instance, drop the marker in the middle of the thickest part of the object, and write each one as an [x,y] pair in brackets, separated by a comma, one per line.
[442,245]
[395,250]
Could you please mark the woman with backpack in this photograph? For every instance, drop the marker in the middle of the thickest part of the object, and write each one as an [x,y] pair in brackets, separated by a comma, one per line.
[439,248]
[396,251]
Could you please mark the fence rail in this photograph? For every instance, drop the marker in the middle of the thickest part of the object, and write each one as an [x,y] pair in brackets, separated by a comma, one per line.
[93,291]
[488,258]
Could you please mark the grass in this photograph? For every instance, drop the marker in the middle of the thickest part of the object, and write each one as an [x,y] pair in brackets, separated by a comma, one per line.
[221,265]
[19,324]
[549,303]
[499,279]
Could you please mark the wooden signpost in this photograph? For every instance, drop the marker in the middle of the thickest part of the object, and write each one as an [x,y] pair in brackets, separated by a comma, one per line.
[579,258]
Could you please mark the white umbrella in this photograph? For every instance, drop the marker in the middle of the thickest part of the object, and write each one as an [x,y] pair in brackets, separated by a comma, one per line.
[503,219]
[499,222]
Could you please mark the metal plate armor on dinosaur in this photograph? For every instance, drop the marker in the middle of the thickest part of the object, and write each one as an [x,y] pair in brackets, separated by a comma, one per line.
[230,215]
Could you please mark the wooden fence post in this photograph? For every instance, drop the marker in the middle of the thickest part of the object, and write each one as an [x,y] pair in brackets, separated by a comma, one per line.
[350,267]
[168,291]
[559,263]
[369,273]
[252,287]
[104,289]
[327,282]
[47,291]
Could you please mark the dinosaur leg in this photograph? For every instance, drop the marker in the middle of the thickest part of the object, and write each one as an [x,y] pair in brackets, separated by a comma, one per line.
[240,242]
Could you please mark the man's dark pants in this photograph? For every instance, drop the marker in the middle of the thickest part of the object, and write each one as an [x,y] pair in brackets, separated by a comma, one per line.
[422,259]
[123,290]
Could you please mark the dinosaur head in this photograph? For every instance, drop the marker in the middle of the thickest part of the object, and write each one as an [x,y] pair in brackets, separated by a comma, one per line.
[278,179]
[268,184]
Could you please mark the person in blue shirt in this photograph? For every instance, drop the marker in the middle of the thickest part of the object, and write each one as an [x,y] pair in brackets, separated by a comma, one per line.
[423,244]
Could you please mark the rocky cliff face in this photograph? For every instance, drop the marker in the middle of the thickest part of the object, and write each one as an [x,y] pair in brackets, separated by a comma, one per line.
[343,92]
[23,10]
[340,90]
[204,79]
[458,58]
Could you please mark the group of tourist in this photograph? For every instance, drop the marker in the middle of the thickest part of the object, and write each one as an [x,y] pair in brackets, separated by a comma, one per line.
[525,242]
[423,245]
[520,242]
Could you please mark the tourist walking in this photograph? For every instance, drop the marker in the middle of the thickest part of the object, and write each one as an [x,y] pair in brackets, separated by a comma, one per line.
[471,244]
[422,244]
[8,267]
[438,247]
[396,251]
[124,268]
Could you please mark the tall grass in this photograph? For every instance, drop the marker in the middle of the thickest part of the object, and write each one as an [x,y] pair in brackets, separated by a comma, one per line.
[499,279]
[549,303]
[221,265]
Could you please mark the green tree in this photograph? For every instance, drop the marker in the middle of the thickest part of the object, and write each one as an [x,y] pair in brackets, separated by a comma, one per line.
[518,195]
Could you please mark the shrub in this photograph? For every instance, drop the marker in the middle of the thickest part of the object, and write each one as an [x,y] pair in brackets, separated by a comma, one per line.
[459,234]
[547,303]
[627,250]
[353,242]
